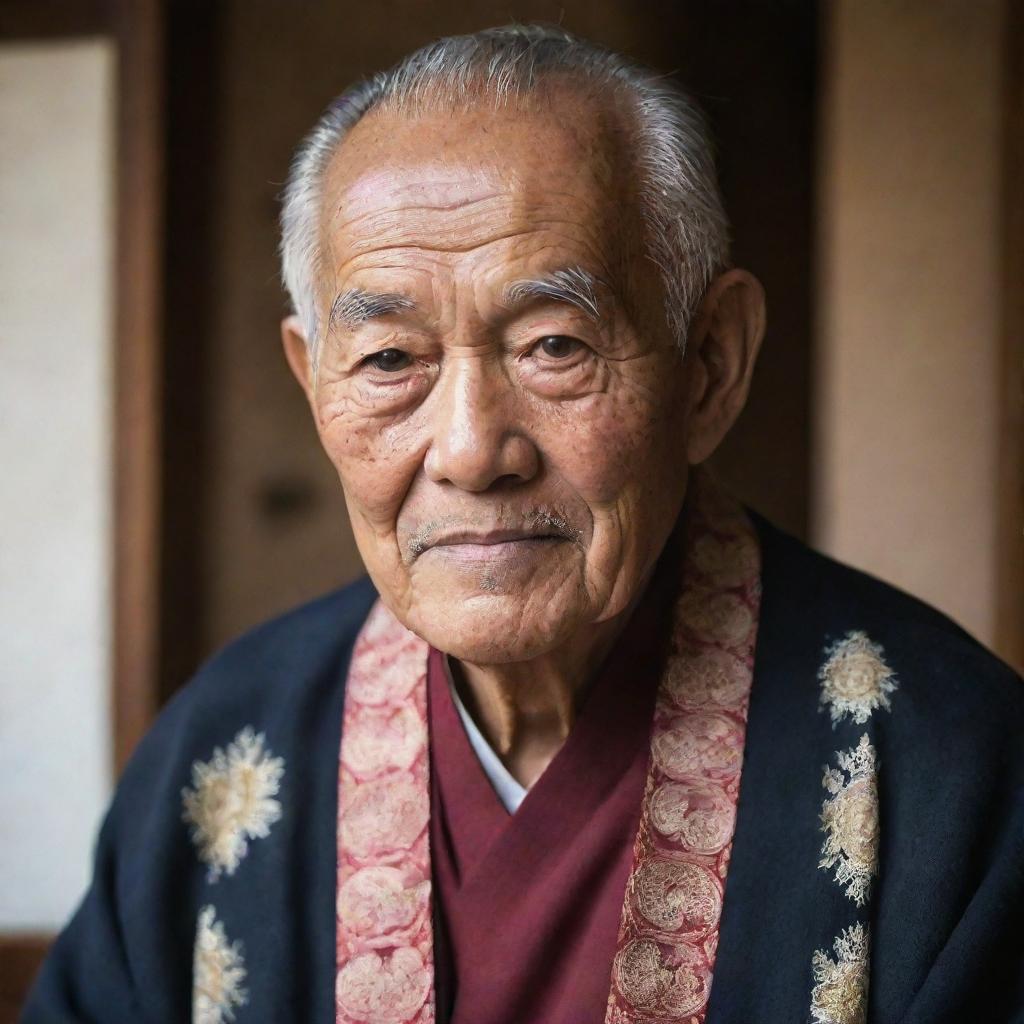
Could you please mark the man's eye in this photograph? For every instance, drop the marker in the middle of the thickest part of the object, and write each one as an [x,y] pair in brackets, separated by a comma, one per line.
[558,346]
[389,360]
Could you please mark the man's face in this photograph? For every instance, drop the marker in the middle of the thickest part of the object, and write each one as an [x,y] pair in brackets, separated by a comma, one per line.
[512,460]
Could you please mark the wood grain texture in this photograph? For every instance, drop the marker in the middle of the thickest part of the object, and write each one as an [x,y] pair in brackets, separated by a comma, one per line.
[137,373]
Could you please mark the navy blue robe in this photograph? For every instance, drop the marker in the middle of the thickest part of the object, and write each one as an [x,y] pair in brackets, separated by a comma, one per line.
[947,911]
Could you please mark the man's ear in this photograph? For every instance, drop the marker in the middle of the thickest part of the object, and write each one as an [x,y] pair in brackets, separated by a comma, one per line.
[721,351]
[296,351]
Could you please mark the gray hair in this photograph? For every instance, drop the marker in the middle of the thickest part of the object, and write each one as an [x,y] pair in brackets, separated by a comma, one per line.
[686,229]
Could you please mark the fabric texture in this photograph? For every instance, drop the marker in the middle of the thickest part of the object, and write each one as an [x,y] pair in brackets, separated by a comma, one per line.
[944,893]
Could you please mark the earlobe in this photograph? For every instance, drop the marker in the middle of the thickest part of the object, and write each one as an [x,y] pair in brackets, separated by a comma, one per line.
[296,351]
[726,339]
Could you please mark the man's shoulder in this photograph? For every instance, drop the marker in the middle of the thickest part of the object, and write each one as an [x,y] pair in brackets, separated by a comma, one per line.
[268,680]
[237,779]
[822,602]
[288,647]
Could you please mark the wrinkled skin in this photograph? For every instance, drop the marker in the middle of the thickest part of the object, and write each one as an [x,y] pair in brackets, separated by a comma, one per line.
[512,472]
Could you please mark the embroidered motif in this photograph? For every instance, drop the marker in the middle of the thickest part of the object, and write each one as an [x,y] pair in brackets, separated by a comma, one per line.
[232,801]
[677,896]
[388,738]
[668,982]
[731,561]
[385,989]
[711,613]
[840,994]
[849,819]
[375,904]
[218,971]
[855,679]
[701,817]
[698,743]
[384,816]
[705,678]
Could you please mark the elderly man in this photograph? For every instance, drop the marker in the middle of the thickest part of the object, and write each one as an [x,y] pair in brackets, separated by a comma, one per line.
[562,761]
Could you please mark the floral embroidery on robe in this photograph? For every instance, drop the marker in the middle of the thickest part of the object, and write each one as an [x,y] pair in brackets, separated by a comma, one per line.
[840,993]
[855,679]
[232,801]
[855,682]
[849,818]
[217,973]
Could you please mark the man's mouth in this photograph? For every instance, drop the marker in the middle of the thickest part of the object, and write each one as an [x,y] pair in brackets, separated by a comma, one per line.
[478,543]
[461,538]
[496,548]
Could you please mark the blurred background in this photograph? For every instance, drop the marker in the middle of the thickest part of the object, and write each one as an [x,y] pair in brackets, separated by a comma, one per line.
[162,488]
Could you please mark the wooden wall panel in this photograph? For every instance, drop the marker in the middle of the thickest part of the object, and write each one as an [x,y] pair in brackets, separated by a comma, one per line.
[137,373]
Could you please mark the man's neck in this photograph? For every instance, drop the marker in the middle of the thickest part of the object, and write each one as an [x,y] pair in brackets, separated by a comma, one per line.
[526,710]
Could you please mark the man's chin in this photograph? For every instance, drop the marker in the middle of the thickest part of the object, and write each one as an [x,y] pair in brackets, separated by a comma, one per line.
[491,629]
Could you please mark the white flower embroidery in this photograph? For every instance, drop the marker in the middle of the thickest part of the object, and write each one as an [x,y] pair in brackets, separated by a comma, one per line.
[218,971]
[840,995]
[232,801]
[849,819]
[855,679]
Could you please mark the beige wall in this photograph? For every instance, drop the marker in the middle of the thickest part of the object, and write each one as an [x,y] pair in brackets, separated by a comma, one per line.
[56,191]
[907,416]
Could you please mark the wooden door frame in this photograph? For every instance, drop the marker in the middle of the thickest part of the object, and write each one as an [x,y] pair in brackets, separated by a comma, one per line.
[136,28]
[138,25]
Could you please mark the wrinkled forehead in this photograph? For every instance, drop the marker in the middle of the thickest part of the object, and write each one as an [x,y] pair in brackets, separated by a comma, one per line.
[458,178]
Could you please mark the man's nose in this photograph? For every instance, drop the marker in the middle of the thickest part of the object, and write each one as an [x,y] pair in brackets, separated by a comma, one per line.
[477,440]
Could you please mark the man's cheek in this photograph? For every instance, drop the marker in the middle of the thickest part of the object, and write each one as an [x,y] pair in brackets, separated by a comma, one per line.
[598,462]
[376,491]
[374,477]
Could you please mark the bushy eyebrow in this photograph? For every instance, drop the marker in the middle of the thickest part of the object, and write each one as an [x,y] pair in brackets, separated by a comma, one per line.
[355,306]
[572,285]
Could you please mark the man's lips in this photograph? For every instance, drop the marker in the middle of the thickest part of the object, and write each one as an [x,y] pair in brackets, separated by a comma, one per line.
[531,530]
[501,547]
[489,546]
[490,537]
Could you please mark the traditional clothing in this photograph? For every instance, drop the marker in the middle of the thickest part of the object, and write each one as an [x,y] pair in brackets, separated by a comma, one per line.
[836,837]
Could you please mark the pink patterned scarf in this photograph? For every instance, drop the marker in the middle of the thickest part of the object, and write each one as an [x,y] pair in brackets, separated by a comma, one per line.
[669,928]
